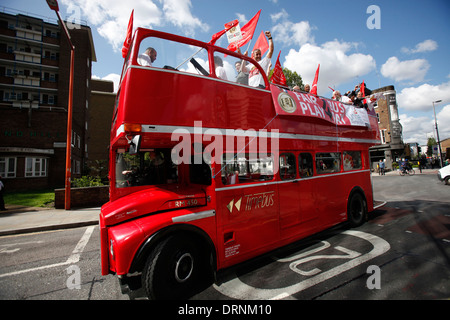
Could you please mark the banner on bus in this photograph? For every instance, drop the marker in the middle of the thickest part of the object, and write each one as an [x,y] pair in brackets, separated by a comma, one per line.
[308,105]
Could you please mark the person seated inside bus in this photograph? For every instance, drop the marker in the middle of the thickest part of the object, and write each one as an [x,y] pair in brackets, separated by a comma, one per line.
[154,172]
[149,167]
[147,58]
[233,178]
[220,70]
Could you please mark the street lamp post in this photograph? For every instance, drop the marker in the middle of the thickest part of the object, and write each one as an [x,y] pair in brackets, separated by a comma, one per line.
[437,133]
[53,4]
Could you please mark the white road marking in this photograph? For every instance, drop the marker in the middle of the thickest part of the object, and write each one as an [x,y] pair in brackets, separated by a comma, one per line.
[235,288]
[74,257]
[6,250]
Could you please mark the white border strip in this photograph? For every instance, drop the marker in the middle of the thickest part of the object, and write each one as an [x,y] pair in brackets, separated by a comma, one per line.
[263,184]
[194,216]
[247,133]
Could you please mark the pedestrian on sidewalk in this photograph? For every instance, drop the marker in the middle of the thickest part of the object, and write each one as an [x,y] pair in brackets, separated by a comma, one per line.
[2,202]
[382,167]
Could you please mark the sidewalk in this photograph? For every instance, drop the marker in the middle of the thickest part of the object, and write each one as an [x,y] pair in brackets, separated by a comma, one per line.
[19,219]
[416,170]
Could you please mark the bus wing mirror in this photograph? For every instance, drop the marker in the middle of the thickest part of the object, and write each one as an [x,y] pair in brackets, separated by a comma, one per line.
[135,145]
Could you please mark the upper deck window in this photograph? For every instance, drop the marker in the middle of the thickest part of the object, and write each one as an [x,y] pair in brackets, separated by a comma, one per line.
[172,55]
[167,54]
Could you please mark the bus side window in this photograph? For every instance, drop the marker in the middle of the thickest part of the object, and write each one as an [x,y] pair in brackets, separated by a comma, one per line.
[328,162]
[305,165]
[288,168]
[352,160]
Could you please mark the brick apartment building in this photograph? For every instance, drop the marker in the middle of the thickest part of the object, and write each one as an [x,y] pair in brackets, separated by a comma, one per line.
[34,87]
[392,146]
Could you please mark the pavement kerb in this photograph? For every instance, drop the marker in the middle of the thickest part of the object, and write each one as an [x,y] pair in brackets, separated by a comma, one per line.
[22,220]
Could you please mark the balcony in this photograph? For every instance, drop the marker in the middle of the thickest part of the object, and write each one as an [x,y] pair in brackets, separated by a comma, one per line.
[27,80]
[26,104]
[28,34]
[27,56]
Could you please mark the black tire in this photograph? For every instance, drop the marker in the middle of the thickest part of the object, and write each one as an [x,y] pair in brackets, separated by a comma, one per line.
[356,210]
[446,180]
[173,269]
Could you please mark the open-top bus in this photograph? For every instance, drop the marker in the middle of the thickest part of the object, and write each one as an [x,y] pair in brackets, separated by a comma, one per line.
[206,172]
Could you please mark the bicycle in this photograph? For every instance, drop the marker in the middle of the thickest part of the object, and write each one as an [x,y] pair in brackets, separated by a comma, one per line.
[408,171]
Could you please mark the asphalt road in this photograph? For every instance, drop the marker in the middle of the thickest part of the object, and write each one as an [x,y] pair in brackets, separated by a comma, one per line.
[402,252]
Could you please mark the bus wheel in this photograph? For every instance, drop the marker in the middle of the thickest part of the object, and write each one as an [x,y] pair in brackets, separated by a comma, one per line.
[172,270]
[356,210]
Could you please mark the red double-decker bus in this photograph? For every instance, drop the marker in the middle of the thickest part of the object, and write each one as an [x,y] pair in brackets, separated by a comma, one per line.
[207,172]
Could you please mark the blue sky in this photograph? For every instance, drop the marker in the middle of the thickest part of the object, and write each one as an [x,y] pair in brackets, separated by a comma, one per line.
[410,50]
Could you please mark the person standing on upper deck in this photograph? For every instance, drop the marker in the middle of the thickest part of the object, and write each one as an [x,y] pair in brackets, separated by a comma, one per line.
[255,78]
[147,58]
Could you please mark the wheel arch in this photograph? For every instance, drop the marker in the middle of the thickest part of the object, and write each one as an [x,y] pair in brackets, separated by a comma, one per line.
[193,232]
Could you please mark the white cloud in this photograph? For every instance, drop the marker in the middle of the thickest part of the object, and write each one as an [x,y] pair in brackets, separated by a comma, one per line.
[290,33]
[419,129]
[178,12]
[337,64]
[443,119]
[427,45]
[413,70]
[421,98]
[242,19]
[111,17]
[415,129]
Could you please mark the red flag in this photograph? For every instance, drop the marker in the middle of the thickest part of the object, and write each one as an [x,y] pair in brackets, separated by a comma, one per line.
[228,26]
[127,42]
[261,44]
[363,89]
[314,85]
[247,33]
[278,76]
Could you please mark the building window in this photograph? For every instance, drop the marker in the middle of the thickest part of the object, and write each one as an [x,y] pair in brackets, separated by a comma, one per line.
[8,167]
[36,167]
[383,136]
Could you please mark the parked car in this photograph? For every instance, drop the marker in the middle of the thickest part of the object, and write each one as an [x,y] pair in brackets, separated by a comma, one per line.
[444,174]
